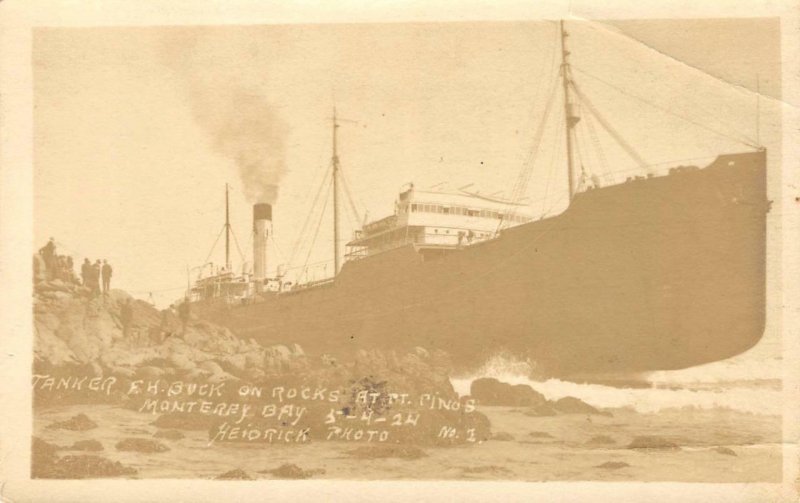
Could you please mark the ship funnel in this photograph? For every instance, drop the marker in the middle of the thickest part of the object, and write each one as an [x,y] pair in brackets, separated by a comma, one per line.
[262,218]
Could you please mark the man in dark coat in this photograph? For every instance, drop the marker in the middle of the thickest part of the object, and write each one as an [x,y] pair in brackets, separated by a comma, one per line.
[106,271]
[48,253]
[96,277]
[86,273]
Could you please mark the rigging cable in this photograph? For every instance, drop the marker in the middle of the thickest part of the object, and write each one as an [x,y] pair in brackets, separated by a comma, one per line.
[350,198]
[519,187]
[555,155]
[610,129]
[214,245]
[303,229]
[316,231]
[604,167]
[236,242]
[724,135]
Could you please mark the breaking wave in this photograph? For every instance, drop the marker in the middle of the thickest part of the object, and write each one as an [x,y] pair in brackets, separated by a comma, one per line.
[700,387]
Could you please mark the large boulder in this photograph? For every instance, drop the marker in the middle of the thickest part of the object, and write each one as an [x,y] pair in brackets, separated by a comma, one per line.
[572,405]
[653,442]
[490,391]
[292,471]
[81,422]
[45,463]
[86,445]
[235,474]
[433,413]
[141,445]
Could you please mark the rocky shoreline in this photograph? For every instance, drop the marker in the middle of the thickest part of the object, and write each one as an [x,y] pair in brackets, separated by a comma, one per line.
[83,355]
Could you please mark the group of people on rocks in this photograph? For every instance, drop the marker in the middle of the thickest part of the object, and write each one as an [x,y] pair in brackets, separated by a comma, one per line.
[56,266]
[61,267]
[91,274]
[173,319]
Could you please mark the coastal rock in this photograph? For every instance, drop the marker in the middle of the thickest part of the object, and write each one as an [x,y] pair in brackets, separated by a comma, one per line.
[377,375]
[181,361]
[648,442]
[725,450]
[73,327]
[221,377]
[613,465]
[234,364]
[541,410]
[252,359]
[490,391]
[255,375]
[382,451]
[86,467]
[125,372]
[45,464]
[493,471]
[572,405]
[235,474]
[184,421]
[43,457]
[141,445]
[212,367]
[81,422]
[197,374]
[150,372]
[169,434]
[599,440]
[292,471]
[86,445]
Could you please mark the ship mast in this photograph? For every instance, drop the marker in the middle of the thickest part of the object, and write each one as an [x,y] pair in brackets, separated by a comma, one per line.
[571,119]
[227,233]
[335,164]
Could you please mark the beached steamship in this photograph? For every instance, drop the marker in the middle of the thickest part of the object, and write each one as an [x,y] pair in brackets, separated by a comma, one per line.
[656,273]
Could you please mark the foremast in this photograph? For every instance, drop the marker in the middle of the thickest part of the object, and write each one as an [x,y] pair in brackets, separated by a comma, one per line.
[569,112]
[335,183]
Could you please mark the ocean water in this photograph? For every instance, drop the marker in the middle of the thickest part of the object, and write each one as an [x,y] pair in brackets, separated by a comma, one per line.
[750,382]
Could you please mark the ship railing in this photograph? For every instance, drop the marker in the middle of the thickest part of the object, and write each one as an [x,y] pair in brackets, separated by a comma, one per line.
[442,239]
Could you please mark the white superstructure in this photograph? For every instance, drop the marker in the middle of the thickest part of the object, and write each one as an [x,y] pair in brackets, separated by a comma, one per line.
[448,219]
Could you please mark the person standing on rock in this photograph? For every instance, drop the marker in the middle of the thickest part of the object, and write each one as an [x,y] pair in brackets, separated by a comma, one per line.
[96,277]
[106,271]
[86,273]
[70,270]
[126,317]
[48,253]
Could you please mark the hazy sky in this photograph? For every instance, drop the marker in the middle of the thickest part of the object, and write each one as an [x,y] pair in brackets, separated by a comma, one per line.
[138,129]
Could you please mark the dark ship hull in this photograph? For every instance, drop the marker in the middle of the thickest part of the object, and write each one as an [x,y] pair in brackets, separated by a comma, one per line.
[654,274]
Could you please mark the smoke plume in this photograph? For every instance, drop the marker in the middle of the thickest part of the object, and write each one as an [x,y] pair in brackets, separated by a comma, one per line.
[224,89]
[244,128]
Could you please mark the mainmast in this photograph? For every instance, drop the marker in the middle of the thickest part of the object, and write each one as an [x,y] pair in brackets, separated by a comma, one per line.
[571,118]
[335,164]
[227,233]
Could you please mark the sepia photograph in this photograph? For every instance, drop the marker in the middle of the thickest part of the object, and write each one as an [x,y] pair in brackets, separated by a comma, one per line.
[534,250]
